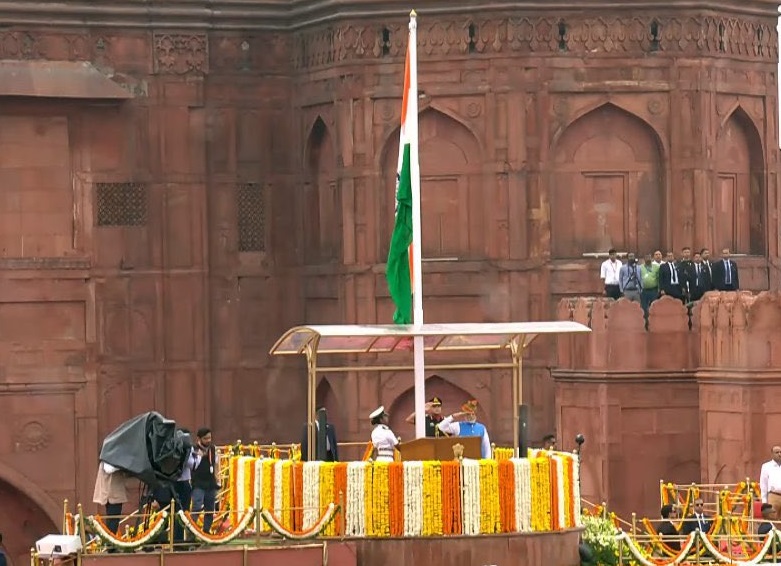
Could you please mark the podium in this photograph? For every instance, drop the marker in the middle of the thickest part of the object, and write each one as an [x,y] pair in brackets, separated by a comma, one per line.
[440,448]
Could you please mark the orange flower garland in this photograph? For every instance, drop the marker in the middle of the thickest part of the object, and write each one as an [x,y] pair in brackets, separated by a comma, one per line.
[298,496]
[451,498]
[507,496]
[340,495]
[396,499]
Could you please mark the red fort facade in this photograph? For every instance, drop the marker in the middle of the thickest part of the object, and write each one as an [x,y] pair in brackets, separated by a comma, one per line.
[183,181]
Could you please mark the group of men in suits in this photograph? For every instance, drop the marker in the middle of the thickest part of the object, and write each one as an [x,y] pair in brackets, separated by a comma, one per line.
[689,278]
[696,521]
[686,279]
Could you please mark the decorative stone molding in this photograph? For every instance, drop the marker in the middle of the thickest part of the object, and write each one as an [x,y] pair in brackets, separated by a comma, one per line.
[690,36]
[181,54]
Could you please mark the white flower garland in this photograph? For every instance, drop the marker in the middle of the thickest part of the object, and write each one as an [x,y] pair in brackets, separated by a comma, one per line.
[559,487]
[355,514]
[523,494]
[413,499]
[311,493]
[470,472]
[576,490]
[119,543]
[315,530]
[241,497]
[719,556]
[278,495]
[642,559]
[205,538]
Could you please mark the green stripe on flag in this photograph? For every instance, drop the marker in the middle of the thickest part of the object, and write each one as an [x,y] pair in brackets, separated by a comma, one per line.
[397,273]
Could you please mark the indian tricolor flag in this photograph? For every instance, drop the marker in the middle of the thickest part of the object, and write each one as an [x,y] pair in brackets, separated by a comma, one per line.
[399,269]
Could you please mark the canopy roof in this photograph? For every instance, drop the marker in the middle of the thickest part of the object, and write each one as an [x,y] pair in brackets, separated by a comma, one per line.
[357,338]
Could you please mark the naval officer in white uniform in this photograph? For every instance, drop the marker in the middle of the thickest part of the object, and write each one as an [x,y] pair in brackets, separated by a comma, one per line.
[383,439]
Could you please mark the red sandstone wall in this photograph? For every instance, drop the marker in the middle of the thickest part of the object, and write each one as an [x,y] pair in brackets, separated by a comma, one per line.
[669,402]
[177,312]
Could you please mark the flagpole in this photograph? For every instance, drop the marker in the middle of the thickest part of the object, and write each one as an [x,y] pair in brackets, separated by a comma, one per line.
[417,271]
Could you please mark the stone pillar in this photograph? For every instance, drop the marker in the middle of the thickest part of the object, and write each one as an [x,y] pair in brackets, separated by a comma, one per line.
[632,393]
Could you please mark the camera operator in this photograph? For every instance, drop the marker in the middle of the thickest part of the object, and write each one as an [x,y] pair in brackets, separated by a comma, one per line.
[205,478]
[629,279]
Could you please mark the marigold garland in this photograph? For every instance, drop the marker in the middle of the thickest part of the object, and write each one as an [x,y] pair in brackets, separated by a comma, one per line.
[157,523]
[241,524]
[432,499]
[320,525]
[451,498]
[506,469]
[383,499]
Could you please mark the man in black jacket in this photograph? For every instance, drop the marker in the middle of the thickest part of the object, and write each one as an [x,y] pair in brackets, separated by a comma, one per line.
[671,278]
[205,478]
[725,273]
[331,447]
[667,530]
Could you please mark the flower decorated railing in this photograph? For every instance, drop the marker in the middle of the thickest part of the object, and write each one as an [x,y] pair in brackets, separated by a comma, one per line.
[397,499]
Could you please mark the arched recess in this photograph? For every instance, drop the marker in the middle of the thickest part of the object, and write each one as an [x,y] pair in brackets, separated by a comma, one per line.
[452,206]
[737,197]
[322,200]
[326,397]
[28,514]
[452,398]
[606,185]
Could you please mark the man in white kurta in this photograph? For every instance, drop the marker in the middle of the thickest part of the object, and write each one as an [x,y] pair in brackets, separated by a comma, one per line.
[468,427]
[383,439]
[770,481]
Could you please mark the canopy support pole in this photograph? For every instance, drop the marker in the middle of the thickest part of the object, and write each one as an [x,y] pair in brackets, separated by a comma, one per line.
[311,398]
[516,350]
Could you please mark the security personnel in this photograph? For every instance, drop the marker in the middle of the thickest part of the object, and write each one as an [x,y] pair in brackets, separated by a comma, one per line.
[383,439]
[433,418]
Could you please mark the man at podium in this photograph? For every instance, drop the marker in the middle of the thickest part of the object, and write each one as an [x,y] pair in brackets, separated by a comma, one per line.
[465,423]
[433,418]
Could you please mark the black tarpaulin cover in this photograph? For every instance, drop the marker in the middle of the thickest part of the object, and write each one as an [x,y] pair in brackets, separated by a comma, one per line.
[148,447]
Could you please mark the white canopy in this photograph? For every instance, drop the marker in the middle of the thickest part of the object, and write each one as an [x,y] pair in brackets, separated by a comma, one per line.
[386,338]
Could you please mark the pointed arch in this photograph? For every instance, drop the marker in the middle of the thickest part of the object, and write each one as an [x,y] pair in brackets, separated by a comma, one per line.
[452,206]
[607,184]
[452,397]
[321,199]
[737,211]
[605,101]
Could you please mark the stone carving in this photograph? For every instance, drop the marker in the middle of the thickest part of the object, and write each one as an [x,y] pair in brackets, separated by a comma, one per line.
[695,35]
[181,54]
[32,437]
[19,45]
[655,106]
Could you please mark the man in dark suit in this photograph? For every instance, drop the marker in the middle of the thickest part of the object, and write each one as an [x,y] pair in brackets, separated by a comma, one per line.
[700,282]
[725,273]
[671,278]
[666,528]
[3,561]
[686,270]
[698,521]
[331,447]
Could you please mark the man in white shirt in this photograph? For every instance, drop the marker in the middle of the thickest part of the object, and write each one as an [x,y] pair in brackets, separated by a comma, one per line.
[770,481]
[609,273]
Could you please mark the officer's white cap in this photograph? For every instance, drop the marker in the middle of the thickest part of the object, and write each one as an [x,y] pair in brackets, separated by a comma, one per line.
[378,412]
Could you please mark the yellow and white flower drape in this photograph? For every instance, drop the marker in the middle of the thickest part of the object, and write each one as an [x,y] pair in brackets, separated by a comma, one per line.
[405,499]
